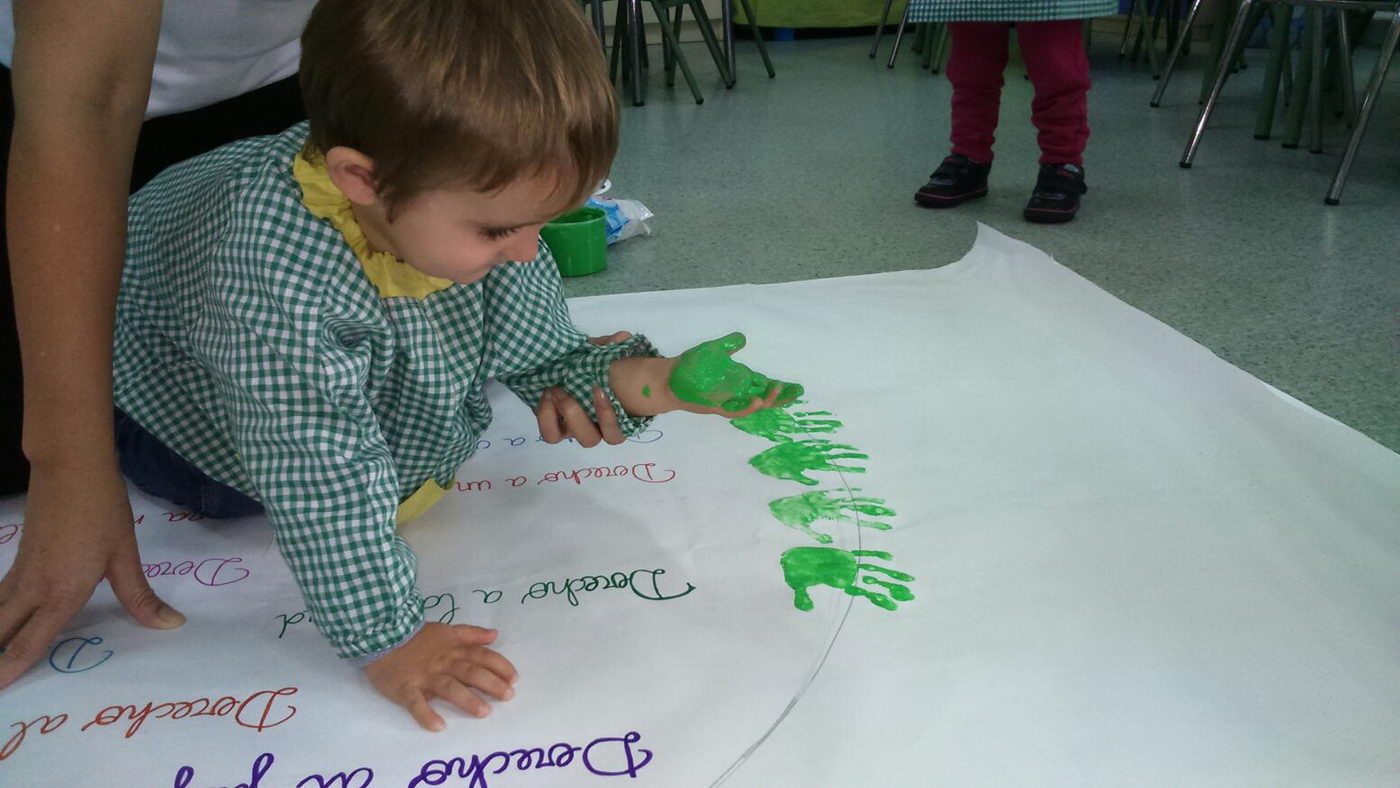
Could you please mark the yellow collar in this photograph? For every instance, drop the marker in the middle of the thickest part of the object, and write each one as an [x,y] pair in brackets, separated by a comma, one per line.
[390,276]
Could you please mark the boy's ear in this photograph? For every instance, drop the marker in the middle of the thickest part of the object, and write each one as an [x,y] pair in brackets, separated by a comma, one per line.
[353,173]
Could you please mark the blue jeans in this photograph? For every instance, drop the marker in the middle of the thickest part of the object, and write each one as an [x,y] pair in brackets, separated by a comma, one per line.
[158,471]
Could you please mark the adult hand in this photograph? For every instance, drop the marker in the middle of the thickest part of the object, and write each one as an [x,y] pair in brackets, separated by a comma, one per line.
[80,75]
[69,544]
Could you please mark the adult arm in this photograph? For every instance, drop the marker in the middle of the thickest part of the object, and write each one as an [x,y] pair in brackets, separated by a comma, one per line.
[81,75]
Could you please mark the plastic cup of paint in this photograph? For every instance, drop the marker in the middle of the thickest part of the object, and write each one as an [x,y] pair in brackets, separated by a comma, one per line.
[579,241]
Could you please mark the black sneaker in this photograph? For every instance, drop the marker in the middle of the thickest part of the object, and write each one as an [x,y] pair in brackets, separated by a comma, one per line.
[957,180]
[1056,196]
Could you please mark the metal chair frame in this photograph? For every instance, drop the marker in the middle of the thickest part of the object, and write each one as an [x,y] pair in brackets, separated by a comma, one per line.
[1315,9]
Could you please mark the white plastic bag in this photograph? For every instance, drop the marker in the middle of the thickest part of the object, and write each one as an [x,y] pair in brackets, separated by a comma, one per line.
[625,218]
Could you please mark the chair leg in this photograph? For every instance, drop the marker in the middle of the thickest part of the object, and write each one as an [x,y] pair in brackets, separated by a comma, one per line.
[758,39]
[726,14]
[636,50]
[1345,64]
[940,54]
[1149,15]
[1128,28]
[1273,71]
[707,32]
[1288,68]
[1152,38]
[619,36]
[1298,97]
[599,23]
[669,56]
[1315,94]
[898,36]
[879,28]
[669,36]
[1220,31]
[1182,37]
[1368,103]
[1222,71]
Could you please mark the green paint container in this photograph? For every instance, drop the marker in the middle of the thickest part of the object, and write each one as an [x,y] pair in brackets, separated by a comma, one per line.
[579,241]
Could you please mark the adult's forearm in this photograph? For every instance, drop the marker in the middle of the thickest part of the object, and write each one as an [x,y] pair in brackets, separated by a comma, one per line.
[66,204]
[81,75]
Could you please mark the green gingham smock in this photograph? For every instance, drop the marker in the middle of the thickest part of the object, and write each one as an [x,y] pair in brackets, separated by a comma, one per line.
[252,341]
[1008,10]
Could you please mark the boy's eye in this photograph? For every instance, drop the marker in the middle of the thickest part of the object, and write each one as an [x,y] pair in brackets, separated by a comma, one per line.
[497,233]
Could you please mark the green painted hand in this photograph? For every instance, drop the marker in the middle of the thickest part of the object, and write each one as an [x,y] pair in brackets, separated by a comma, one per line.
[790,460]
[706,375]
[800,511]
[777,424]
[805,567]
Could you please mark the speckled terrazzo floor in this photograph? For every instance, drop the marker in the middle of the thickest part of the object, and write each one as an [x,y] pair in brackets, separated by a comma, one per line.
[812,175]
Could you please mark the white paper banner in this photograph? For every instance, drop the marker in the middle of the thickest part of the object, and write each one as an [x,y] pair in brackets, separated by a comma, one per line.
[1079,549]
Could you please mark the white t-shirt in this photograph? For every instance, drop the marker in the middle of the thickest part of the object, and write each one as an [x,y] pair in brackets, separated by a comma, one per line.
[211,50]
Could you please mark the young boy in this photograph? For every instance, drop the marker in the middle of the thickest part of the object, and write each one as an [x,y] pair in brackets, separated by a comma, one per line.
[307,321]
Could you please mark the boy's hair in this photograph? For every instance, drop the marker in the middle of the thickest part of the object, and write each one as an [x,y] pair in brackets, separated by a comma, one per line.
[446,93]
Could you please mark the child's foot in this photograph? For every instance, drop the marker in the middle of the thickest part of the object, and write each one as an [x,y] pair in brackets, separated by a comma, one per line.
[1056,196]
[957,180]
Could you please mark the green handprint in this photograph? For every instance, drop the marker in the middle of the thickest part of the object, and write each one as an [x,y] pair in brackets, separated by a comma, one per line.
[805,567]
[706,375]
[800,511]
[777,424]
[789,460]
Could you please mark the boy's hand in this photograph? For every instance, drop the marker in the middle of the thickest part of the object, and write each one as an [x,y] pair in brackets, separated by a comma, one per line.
[706,376]
[560,416]
[445,661]
[703,379]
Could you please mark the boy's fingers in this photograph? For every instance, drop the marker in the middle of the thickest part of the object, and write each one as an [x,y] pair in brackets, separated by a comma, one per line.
[548,418]
[473,636]
[732,343]
[494,662]
[417,705]
[577,424]
[607,418]
[620,336]
[455,692]
[754,404]
[482,678]
[771,398]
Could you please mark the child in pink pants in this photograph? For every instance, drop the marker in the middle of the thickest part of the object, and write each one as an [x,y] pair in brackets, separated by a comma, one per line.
[1055,60]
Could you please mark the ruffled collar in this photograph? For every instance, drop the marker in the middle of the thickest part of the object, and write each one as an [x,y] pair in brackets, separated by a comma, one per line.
[391,276]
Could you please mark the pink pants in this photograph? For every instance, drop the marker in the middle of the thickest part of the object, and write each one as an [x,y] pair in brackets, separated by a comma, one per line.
[1058,67]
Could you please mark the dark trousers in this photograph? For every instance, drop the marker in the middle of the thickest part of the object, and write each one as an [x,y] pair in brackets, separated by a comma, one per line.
[163,141]
[158,471]
[1059,69]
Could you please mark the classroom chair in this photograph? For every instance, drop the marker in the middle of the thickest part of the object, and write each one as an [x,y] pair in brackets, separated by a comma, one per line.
[930,39]
[595,9]
[629,46]
[1312,65]
[1149,22]
[727,22]
[1182,44]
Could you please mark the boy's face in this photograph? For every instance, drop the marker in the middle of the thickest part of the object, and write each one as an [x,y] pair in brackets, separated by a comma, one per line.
[462,234]
[452,233]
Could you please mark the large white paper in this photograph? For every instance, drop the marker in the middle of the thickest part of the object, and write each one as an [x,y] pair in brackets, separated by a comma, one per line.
[1132,563]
